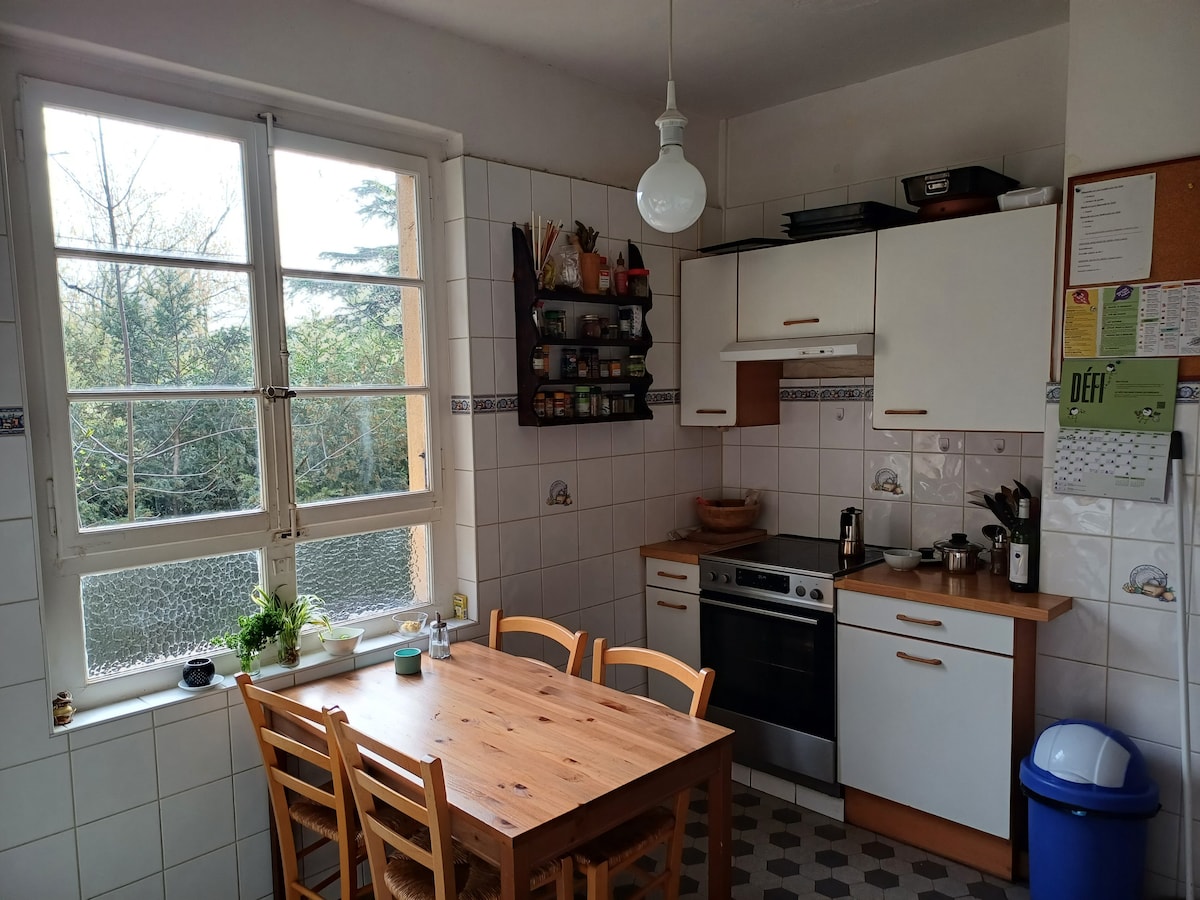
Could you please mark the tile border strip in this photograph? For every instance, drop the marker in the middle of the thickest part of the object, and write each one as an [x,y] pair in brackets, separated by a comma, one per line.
[12,420]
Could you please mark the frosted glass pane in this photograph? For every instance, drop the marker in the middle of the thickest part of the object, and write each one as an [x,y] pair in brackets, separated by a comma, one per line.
[154,614]
[365,574]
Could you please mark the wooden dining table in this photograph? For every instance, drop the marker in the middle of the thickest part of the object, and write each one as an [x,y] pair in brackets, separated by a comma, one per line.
[536,761]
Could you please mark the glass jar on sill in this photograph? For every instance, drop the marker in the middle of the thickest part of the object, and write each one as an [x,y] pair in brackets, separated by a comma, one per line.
[554,323]
[589,327]
[636,367]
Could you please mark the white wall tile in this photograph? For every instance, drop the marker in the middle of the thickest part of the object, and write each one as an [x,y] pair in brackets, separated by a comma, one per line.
[550,475]
[119,850]
[595,580]
[520,546]
[214,875]
[594,441]
[475,187]
[16,551]
[831,197]
[938,478]
[464,489]
[509,193]
[1152,521]
[37,800]
[251,803]
[760,468]
[1142,640]
[660,518]
[521,595]
[799,424]
[552,198]
[882,470]
[731,465]
[933,523]
[939,442]
[599,622]
[628,477]
[515,445]
[887,523]
[744,222]
[479,251]
[254,866]
[710,475]
[192,752]
[630,620]
[503,318]
[711,227]
[798,514]
[483,366]
[589,205]
[500,252]
[629,572]
[841,472]
[629,525]
[1128,556]
[661,263]
[557,444]
[688,471]
[663,363]
[36,869]
[487,496]
[520,493]
[987,473]
[196,822]
[993,443]
[560,590]
[760,436]
[1068,689]
[25,710]
[15,500]
[1077,515]
[685,510]
[659,433]
[21,656]
[465,552]
[595,483]
[487,550]
[624,220]
[1140,705]
[1080,635]
[243,744]
[659,475]
[879,191]
[114,776]
[842,424]
[479,308]
[560,539]
[458,313]
[884,438]
[453,189]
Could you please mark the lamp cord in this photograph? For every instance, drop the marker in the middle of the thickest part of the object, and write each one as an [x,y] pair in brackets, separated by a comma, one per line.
[670,39]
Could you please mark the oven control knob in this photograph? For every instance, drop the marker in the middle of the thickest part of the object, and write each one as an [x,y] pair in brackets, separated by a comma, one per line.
[800,591]
[712,576]
[724,579]
[816,594]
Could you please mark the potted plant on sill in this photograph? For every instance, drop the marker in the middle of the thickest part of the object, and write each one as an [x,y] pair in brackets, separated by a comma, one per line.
[254,632]
[292,616]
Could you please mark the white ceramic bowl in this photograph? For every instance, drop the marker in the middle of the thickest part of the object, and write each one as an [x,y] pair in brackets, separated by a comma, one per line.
[410,624]
[902,560]
[341,640]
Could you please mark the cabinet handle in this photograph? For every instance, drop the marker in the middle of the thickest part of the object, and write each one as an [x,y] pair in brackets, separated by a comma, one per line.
[671,605]
[710,412]
[672,575]
[906,412]
[812,321]
[929,662]
[933,623]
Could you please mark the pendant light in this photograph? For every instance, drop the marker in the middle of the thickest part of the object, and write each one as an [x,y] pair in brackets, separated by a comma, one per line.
[671,193]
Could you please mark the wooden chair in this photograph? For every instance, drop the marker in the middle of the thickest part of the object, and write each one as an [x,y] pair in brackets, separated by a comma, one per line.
[573,642]
[427,864]
[624,845]
[322,805]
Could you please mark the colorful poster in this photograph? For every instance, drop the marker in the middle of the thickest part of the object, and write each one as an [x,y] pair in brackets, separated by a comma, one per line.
[1120,329]
[1161,319]
[1125,394]
[1080,322]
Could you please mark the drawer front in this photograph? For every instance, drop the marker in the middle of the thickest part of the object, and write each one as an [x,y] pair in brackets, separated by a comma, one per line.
[674,576]
[961,627]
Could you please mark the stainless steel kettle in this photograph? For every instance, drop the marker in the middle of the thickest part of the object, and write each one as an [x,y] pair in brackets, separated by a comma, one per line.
[851,532]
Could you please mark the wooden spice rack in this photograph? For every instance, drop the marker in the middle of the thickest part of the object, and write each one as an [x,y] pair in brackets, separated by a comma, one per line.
[526,294]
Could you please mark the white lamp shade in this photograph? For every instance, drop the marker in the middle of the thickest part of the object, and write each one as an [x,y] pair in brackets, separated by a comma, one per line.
[671,194]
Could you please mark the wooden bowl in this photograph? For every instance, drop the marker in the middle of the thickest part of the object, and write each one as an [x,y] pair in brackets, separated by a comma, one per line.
[727,515]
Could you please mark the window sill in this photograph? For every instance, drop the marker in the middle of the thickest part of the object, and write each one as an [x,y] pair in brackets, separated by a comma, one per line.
[314,664]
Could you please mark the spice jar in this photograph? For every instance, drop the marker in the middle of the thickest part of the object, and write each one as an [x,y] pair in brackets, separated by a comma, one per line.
[629,404]
[636,367]
[538,361]
[560,405]
[605,404]
[614,368]
[621,276]
[583,401]
[631,321]
[605,275]
[439,639]
[539,405]
[570,363]
[555,323]
[589,326]
[594,399]
[639,282]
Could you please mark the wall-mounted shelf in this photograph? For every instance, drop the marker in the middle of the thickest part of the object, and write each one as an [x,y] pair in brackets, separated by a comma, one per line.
[526,297]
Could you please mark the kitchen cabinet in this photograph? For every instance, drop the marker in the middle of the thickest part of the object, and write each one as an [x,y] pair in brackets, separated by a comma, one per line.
[964,321]
[807,289]
[673,624]
[935,708]
[711,390]
[625,392]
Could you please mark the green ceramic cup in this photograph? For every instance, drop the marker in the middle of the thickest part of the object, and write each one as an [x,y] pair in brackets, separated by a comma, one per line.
[408,661]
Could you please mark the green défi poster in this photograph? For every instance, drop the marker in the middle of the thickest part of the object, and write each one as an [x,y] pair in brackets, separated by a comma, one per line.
[1118,394]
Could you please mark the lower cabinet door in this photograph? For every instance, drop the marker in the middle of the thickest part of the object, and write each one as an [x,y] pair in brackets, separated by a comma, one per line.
[672,626]
[926,725]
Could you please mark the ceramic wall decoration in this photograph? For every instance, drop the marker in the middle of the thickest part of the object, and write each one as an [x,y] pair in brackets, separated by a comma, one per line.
[63,708]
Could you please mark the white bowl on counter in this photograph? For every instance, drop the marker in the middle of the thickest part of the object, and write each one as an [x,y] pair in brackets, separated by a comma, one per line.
[341,640]
[902,560]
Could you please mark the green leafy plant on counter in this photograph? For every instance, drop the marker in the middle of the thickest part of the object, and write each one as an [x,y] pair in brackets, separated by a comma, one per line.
[292,615]
[254,632]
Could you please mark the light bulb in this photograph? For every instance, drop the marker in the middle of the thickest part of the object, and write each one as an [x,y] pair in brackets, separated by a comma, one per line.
[671,193]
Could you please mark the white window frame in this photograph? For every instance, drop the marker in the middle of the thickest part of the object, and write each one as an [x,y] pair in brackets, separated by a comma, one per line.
[271,530]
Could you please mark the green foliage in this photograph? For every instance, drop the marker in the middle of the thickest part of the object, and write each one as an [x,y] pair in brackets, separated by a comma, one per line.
[254,632]
[294,615]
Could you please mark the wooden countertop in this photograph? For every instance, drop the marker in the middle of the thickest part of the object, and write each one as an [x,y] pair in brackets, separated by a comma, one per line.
[690,551]
[980,592]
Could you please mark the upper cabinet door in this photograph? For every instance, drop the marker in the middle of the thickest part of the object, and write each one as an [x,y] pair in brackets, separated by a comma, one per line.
[707,322]
[963,322]
[808,289]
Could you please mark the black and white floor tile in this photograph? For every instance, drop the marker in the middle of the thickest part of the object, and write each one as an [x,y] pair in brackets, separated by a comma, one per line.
[784,852]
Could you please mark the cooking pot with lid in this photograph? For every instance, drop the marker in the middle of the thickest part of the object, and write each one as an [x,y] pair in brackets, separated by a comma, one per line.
[959,555]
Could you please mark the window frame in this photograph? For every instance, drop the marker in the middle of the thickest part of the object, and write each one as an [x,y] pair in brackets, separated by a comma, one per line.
[72,552]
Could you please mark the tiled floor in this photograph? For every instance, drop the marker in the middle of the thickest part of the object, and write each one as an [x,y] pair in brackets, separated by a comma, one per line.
[784,852]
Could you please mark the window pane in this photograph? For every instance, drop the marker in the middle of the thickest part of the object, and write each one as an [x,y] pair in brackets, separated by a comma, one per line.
[339,216]
[358,446]
[154,326]
[126,186]
[148,460]
[139,617]
[365,574]
[342,333]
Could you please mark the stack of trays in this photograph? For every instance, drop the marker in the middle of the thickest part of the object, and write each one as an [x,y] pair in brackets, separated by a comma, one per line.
[849,218]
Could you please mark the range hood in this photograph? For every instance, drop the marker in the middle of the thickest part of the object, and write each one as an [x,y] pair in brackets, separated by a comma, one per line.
[801,348]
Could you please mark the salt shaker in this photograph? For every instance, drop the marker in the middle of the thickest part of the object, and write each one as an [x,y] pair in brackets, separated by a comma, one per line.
[439,639]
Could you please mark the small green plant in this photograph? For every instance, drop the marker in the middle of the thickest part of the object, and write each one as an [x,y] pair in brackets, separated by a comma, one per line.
[292,616]
[254,632]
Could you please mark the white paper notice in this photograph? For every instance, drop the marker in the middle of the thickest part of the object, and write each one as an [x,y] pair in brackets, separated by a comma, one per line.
[1112,230]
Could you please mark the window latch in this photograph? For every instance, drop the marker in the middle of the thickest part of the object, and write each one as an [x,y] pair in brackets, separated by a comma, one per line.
[274,392]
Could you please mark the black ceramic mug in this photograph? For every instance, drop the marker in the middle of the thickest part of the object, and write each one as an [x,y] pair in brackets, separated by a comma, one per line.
[198,672]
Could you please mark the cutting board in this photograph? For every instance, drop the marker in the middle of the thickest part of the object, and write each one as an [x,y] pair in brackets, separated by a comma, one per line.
[720,538]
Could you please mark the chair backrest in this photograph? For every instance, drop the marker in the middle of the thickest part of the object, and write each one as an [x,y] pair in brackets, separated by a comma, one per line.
[699,683]
[414,791]
[330,786]
[574,642]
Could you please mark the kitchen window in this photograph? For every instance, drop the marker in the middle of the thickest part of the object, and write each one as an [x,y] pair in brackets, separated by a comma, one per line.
[235,349]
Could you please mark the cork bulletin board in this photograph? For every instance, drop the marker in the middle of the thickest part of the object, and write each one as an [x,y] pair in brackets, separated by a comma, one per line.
[1172,286]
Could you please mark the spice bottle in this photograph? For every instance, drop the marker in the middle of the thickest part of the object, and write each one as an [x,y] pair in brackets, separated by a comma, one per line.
[439,639]
[621,276]
[605,276]
[539,360]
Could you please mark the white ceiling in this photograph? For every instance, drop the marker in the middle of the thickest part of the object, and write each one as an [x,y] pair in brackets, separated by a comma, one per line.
[733,56]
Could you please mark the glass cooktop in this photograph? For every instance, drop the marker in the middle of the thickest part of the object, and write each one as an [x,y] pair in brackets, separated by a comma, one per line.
[812,556]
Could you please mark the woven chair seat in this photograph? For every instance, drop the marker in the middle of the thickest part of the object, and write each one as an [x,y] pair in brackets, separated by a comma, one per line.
[323,820]
[627,840]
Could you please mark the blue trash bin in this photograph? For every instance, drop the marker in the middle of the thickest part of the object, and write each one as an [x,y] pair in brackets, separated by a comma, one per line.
[1089,802]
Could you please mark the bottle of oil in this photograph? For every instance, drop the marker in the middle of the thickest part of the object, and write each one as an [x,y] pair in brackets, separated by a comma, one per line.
[1023,552]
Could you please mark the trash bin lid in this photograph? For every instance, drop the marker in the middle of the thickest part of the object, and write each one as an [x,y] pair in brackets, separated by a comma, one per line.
[1090,766]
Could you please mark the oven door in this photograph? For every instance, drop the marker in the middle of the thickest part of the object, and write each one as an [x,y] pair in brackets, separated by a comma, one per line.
[775,683]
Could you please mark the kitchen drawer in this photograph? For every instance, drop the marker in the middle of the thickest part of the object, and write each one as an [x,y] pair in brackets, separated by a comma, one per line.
[944,624]
[675,576]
